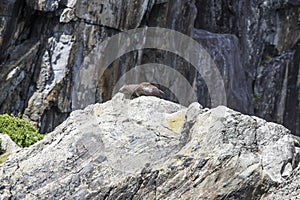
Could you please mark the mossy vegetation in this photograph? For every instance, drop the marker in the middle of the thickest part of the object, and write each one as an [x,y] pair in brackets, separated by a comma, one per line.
[22,132]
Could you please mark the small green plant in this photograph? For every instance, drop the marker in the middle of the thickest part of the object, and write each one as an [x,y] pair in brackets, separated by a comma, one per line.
[22,132]
[267,57]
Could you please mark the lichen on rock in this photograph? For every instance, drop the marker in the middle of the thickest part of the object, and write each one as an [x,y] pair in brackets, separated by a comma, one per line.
[155,149]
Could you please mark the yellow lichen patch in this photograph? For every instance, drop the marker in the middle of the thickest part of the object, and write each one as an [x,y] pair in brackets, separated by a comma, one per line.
[3,157]
[176,121]
[99,112]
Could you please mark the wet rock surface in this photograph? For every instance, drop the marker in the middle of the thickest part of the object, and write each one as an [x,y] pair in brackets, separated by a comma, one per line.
[149,148]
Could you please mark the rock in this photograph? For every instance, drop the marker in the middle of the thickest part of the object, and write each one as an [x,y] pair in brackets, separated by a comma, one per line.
[121,15]
[294,2]
[149,148]
[8,145]
[257,25]
[265,30]
[276,89]
[53,71]
[271,87]
[49,47]
[288,189]
[181,16]
[16,80]
[10,10]
[224,50]
[67,15]
[45,5]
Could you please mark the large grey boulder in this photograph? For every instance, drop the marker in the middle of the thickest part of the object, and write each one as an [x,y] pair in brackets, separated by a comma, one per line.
[149,148]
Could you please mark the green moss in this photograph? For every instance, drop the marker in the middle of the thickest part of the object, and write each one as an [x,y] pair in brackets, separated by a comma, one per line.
[267,57]
[20,131]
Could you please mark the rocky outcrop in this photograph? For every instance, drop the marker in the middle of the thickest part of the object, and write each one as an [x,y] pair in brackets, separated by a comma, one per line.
[7,144]
[51,54]
[149,148]
[7,147]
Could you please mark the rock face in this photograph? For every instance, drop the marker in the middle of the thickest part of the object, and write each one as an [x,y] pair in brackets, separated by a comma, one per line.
[224,50]
[268,31]
[288,189]
[51,58]
[7,144]
[149,148]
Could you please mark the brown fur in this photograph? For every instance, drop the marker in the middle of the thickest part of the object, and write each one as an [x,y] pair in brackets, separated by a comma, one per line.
[142,89]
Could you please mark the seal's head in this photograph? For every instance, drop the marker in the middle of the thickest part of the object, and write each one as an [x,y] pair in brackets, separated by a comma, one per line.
[128,90]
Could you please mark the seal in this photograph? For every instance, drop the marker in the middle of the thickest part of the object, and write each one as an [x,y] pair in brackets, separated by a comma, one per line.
[142,89]
[129,90]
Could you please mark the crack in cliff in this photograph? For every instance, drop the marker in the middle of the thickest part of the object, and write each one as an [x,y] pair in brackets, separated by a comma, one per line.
[10,186]
[89,22]
[28,53]
[160,135]
[138,187]
[156,173]
[107,194]
[185,133]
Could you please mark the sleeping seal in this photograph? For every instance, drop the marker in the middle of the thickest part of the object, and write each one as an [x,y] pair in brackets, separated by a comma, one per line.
[142,89]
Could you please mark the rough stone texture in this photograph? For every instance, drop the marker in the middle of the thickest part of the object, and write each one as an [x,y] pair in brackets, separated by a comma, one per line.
[7,144]
[121,15]
[48,48]
[266,30]
[258,25]
[289,189]
[44,5]
[225,53]
[9,10]
[277,89]
[148,148]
